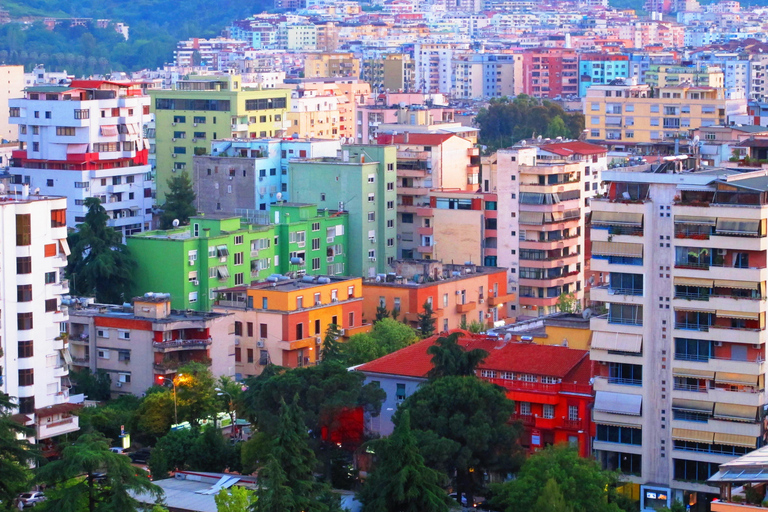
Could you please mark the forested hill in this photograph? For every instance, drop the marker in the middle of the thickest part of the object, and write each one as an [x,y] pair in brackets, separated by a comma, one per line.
[155,27]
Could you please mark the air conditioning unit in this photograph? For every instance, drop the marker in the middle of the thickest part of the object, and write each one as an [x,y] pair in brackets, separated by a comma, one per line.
[195,283]
[237,341]
[254,253]
[191,262]
[718,343]
[342,332]
[194,140]
[118,384]
[173,155]
[481,301]
[194,124]
[372,258]
[318,303]
[488,315]
[318,340]
[173,124]
[335,299]
[261,342]
[458,292]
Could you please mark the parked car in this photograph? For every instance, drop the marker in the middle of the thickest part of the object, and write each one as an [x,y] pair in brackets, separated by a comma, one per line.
[118,449]
[30,499]
[140,456]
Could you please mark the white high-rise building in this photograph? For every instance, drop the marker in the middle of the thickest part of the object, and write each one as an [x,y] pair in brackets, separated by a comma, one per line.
[35,360]
[86,140]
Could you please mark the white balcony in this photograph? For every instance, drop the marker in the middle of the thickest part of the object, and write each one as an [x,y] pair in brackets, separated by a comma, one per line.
[60,371]
[57,428]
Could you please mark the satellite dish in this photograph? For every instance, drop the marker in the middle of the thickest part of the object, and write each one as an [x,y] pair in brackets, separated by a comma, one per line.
[587,313]
[37,191]
[175,223]
[279,196]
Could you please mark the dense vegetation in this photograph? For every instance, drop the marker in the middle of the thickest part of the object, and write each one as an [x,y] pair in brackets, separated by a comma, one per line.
[155,27]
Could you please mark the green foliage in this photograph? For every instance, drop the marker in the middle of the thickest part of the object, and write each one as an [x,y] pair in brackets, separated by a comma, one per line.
[387,336]
[275,495]
[235,499]
[155,27]
[100,264]
[677,505]
[507,121]
[568,303]
[195,393]
[753,496]
[426,321]
[551,499]
[451,359]
[255,452]
[171,452]
[179,201]
[588,488]
[109,417]
[462,426]
[331,347]
[229,396]
[210,451]
[400,481]
[381,313]
[15,454]
[73,488]
[155,414]
[96,386]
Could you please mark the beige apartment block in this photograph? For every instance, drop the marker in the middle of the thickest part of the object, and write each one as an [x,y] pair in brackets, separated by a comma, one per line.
[11,86]
[331,65]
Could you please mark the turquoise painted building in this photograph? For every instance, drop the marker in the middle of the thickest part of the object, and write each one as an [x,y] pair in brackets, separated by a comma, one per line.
[215,252]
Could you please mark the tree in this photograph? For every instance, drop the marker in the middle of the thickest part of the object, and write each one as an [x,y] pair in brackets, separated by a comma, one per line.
[155,414]
[75,486]
[99,264]
[95,386]
[450,358]
[195,393]
[568,303]
[171,452]
[331,346]
[556,128]
[179,201]
[210,451]
[274,495]
[552,499]
[110,417]
[463,429]
[400,481]
[588,488]
[229,396]
[426,321]
[387,336]
[381,313]
[234,499]
[16,453]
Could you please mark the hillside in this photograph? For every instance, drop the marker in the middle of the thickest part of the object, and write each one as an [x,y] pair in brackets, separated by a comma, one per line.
[155,26]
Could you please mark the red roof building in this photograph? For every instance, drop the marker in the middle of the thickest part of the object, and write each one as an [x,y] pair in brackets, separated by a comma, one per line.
[549,384]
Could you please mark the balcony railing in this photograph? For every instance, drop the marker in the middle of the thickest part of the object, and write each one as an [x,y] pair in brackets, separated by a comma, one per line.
[183,343]
[528,420]
[702,358]
[539,387]
[624,320]
[692,327]
[624,382]
[637,292]
[621,230]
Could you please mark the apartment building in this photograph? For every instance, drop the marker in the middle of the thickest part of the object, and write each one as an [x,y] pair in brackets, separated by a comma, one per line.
[487,75]
[551,73]
[313,116]
[546,189]
[601,68]
[86,140]
[633,114]
[549,385]
[203,109]
[141,345]
[679,327]
[389,72]
[214,252]
[331,65]
[12,78]
[459,293]
[362,182]
[662,75]
[433,69]
[245,176]
[283,321]
[34,366]
[350,94]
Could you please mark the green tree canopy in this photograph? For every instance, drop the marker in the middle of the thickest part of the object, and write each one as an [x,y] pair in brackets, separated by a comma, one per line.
[172,452]
[507,121]
[179,201]
[235,499]
[400,481]
[450,358]
[16,454]
[99,264]
[73,486]
[463,428]
[331,347]
[387,336]
[155,414]
[587,487]
[210,451]
[195,393]
[108,418]
[96,386]
[426,320]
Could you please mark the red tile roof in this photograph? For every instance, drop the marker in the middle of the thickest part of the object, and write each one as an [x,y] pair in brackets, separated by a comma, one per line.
[95,84]
[553,361]
[417,139]
[576,147]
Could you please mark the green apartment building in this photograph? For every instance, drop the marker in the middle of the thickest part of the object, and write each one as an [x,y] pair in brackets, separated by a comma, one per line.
[216,252]
[205,108]
[360,181]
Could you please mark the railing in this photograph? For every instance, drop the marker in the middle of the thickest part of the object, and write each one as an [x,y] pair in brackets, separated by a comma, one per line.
[691,387]
[638,292]
[540,387]
[624,382]
[182,343]
[620,230]
[690,416]
[573,424]
[624,321]
[710,448]
[692,327]
[692,296]
[705,358]
[527,420]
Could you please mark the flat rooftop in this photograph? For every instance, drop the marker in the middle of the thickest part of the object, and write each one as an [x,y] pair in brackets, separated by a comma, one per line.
[287,284]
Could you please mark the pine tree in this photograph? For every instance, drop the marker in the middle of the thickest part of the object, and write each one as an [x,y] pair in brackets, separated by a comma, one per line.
[381,313]
[15,454]
[400,481]
[274,494]
[426,321]
[331,346]
[179,201]
[551,499]
[451,359]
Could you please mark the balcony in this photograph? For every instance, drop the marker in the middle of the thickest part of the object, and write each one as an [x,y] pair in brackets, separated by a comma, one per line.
[539,387]
[425,249]
[57,428]
[172,365]
[425,231]
[308,342]
[755,366]
[413,191]
[60,371]
[466,308]
[754,398]
[501,299]
[624,295]
[81,361]
[182,344]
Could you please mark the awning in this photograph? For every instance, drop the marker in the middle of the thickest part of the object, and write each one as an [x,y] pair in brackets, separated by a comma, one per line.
[692,281]
[737,227]
[695,310]
[695,406]
[735,412]
[64,247]
[738,314]
[222,250]
[146,144]
[535,218]
[736,378]
[66,356]
[741,285]
[77,149]
[694,436]
[693,374]
[108,130]
[618,403]
[735,440]
[617,249]
[699,221]
[619,342]
[618,424]
[132,129]
[222,271]
[618,218]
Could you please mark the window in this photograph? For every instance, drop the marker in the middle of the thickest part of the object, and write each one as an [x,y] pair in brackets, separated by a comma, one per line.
[315,244]
[239,278]
[238,328]
[406,218]
[390,205]
[24,293]
[617,434]
[23,229]
[573,413]
[125,356]
[50,277]
[51,305]
[315,226]
[400,393]
[238,258]
[239,240]
[315,263]
[548,411]
[24,321]
[238,356]
[249,327]
[371,216]
[65,131]
[27,377]
[26,348]
[24,265]
[192,297]
[525,408]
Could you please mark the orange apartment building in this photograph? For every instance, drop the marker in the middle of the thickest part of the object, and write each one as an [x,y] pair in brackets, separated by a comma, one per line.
[458,293]
[283,320]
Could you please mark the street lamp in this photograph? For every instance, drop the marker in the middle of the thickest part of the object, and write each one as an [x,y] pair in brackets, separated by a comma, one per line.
[175,407]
